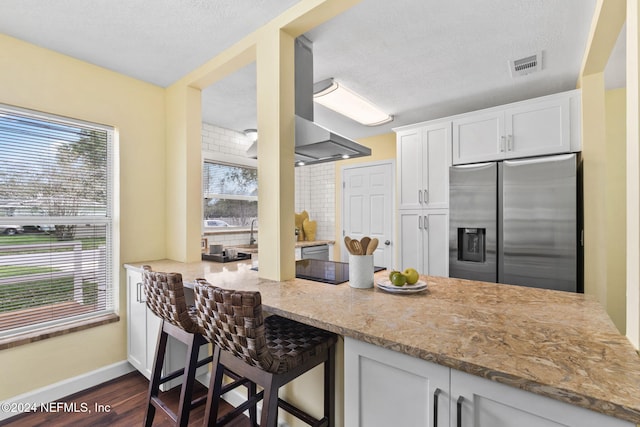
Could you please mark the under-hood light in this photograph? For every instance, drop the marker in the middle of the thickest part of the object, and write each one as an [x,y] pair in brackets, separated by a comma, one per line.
[346,102]
[252,134]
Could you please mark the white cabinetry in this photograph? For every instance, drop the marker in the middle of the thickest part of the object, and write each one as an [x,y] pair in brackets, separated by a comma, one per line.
[487,403]
[142,335]
[142,326]
[540,126]
[424,157]
[424,238]
[386,388]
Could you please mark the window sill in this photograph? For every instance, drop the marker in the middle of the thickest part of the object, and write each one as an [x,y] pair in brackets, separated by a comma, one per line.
[227,231]
[56,331]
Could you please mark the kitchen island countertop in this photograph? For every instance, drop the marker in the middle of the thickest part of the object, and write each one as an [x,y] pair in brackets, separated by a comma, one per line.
[551,343]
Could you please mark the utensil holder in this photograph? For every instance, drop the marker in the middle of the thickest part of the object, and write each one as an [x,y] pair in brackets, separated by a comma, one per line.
[361,271]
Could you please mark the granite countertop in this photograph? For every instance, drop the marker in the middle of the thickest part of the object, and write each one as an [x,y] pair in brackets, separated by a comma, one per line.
[551,343]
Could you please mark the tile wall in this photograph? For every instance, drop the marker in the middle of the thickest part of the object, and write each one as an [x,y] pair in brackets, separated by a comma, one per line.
[315,193]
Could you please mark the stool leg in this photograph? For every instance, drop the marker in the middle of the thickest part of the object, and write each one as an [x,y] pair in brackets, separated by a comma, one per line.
[329,387]
[270,404]
[188,381]
[253,416]
[215,388]
[154,384]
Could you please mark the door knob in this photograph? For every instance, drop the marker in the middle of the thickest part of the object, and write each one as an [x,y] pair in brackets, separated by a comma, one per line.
[387,242]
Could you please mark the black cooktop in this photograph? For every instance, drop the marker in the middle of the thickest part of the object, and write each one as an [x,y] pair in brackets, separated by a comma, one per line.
[332,272]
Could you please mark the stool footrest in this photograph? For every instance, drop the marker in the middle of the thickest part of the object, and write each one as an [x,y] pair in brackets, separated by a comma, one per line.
[175,374]
[302,415]
[155,401]
[238,410]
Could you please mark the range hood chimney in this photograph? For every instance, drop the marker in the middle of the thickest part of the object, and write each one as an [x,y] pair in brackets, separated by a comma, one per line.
[313,143]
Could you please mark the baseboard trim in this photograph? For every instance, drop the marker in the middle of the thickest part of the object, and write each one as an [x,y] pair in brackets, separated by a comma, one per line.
[61,389]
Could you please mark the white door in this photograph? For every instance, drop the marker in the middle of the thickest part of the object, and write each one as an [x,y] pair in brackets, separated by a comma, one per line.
[367,208]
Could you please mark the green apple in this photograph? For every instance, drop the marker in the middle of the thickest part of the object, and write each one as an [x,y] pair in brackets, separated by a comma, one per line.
[398,279]
[412,275]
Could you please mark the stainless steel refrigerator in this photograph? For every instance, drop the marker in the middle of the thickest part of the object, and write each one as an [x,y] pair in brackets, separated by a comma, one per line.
[517,222]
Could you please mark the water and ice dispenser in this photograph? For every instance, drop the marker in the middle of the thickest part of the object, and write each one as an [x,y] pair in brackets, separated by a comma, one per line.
[471,244]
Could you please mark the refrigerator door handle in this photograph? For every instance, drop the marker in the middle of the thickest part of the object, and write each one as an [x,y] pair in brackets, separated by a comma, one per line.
[419,222]
[426,196]
[425,223]
[420,196]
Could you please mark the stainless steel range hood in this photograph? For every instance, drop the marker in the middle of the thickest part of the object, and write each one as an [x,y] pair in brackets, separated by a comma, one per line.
[313,143]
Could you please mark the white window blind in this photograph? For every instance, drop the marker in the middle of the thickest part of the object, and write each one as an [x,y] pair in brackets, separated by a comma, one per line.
[55,220]
[230,194]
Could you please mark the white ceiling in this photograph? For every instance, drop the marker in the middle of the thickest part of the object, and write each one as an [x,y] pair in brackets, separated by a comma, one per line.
[417,59]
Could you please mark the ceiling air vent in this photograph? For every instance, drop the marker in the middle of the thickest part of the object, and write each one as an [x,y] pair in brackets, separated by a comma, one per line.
[524,66]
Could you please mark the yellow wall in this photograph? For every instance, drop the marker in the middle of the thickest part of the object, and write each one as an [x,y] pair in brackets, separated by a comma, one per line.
[383,147]
[602,163]
[616,206]
[633,173]
[39,79]
[594,161]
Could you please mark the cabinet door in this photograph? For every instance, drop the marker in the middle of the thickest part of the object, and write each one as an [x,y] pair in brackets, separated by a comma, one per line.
[538,128]
[436,226]
[436,148]
[153,333]
[136,321]
[411,232]
[478,137]
[487,403]
[386,388]
[410,160]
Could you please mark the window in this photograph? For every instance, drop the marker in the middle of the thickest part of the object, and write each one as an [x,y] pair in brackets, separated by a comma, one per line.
[55,221]
[230,195]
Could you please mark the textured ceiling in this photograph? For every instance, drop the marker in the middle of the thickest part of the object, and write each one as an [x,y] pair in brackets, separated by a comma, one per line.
[416,59]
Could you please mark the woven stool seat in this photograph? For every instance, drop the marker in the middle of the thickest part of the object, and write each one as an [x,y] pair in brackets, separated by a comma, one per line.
[293,343]
[269,351]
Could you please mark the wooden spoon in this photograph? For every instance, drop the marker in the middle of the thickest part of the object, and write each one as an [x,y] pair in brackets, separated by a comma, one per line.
[356,247]
[372,246]
[347,243]
[364,242]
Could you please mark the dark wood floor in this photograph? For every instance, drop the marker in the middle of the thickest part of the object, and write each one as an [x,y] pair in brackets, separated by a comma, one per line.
[125,398]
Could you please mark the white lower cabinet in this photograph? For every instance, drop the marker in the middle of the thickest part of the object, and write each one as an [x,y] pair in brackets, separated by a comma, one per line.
[386,388]
[487,403]
[424,241]
[142,335]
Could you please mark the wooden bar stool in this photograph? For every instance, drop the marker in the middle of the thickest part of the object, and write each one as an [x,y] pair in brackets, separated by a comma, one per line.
[165,298]
[269,351]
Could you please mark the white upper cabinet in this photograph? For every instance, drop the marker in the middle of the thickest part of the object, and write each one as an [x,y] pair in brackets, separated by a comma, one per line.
[423,166]
[540,126]
[478,137]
